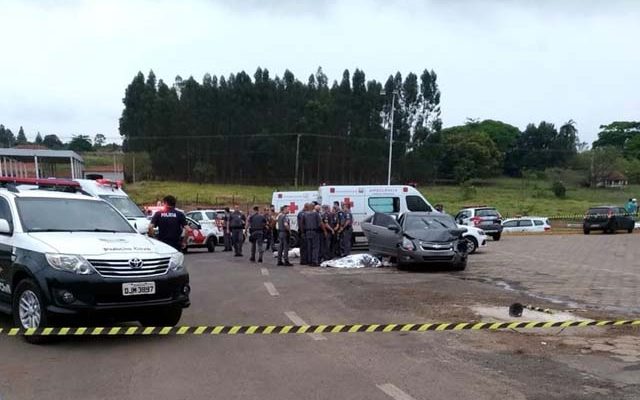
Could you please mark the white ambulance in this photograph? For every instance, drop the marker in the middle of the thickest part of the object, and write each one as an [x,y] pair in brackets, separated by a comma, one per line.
[364,200]
[111,192]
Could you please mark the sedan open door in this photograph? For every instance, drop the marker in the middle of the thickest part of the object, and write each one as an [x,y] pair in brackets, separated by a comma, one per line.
[383,233]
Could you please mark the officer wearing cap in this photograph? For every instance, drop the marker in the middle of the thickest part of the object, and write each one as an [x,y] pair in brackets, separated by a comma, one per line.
[338,217]
[237,222]
[312,224]
[171,224]
[256,228]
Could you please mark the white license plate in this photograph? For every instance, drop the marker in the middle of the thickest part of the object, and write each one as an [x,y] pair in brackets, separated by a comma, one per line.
[138,288]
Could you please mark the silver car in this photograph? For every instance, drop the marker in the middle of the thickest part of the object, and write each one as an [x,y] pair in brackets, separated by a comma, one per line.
[417,238]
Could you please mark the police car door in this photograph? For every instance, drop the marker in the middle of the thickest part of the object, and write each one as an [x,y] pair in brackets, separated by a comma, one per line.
[6,251]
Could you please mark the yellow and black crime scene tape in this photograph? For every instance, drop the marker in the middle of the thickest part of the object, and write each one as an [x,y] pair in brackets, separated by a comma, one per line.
[302,329]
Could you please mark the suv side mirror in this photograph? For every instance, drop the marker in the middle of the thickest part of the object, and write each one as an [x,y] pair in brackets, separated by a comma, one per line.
[5,228]
[394,228]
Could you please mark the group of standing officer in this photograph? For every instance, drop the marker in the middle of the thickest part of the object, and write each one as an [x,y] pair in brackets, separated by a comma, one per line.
[325,233]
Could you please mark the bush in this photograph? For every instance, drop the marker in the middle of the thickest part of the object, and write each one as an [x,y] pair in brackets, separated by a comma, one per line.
[559,189]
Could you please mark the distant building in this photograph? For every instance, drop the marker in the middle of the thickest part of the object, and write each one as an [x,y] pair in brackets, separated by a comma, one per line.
[40,163]
[614,180]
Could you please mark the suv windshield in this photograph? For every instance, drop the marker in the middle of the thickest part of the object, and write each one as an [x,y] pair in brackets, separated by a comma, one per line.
[422,222]
[125,205]
[69,215]
[602,211]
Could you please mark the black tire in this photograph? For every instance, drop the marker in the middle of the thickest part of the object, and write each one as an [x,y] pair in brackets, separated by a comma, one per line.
[161,317]
[586,231]
[497,236]
[472,244]
[460,266]
[185,249]
[45,319]
[211,244]
[630,230]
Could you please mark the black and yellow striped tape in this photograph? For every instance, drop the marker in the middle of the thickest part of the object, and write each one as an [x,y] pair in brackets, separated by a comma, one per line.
[300,329]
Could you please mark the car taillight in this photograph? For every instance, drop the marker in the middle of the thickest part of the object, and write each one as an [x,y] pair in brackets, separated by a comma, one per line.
[476,220]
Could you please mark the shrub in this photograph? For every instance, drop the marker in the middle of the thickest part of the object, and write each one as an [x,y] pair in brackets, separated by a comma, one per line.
[559,189]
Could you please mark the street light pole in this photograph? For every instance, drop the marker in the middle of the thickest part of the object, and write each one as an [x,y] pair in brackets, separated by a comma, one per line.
[393,101]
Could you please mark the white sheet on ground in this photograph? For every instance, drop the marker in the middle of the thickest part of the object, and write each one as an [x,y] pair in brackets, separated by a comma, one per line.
[354,261]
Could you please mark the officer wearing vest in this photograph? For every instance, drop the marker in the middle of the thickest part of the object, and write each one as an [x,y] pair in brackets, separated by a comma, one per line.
[236,225]
[171,224]
[312,225]
[346,229]
[226,229]
[304,259]
[256,228]
[284,232]
[328,233]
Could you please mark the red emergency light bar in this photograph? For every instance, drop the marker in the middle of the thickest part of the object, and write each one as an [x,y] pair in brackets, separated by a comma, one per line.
[40,182]
[109,182]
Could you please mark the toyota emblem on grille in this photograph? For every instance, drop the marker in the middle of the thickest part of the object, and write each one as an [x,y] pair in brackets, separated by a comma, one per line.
[136,263]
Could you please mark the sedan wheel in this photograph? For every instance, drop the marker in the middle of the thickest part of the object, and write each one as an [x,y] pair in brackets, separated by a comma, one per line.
[472,246]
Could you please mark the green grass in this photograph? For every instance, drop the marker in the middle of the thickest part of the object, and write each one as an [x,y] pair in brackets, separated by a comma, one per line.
[511,196]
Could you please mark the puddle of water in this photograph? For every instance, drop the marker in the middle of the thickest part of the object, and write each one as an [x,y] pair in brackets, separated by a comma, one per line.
[501,314]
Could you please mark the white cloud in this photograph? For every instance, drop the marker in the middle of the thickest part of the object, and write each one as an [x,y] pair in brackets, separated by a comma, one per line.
[65,64]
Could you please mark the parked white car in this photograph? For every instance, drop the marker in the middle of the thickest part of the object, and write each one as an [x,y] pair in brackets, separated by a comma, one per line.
[526,224]
[476,238]
[210,221]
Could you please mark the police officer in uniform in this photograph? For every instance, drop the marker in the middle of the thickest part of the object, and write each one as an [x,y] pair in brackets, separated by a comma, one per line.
[284,231]
[312,226]
[226,229]
[269,237]
[171,224]
[338,217]
[236,226]
[328,232]
[304,259]
[256,228]
[346,228]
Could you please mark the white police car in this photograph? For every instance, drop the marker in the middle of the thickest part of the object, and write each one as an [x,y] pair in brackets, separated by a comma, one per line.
[68,256]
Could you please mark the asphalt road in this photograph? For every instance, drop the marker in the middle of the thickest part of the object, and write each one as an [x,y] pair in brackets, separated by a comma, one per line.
[226,290]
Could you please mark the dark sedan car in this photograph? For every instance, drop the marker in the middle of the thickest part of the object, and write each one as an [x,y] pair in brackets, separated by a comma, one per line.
[608,219]
[417,238]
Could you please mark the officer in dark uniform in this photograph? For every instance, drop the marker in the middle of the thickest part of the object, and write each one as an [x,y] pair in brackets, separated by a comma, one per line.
[269,237]
[328,232]
[256,229]
[304,259]
[226,229]
[338,219]
[171,224]
[312,224]
[236,225]
[346,228]
[284,232]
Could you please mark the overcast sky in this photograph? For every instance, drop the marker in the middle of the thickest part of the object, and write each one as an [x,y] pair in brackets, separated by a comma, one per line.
[64,64]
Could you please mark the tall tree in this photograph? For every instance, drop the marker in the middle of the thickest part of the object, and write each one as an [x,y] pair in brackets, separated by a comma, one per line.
[6,137]
[38,139]
[80,143]
[52,142]
[21,138]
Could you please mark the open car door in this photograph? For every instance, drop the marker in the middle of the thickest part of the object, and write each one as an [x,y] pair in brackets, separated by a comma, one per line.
[383,233]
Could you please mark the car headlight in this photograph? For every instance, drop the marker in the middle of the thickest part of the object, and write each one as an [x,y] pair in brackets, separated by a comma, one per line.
[407,244]
[176,263]
[481,233]
[70,263]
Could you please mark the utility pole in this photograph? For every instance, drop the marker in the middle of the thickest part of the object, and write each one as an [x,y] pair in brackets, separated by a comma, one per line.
[393,101]
[297,160]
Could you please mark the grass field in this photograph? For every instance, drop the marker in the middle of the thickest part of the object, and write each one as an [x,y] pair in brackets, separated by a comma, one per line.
[511,196]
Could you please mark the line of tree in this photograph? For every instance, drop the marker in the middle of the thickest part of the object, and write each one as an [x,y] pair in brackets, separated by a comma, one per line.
[78,143]
[239,129]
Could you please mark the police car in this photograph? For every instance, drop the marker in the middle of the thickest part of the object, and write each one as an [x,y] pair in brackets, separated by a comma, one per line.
[111,191]
[66,255]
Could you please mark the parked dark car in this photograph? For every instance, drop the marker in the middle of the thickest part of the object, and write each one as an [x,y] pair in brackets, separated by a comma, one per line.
[608,219]
[417,238]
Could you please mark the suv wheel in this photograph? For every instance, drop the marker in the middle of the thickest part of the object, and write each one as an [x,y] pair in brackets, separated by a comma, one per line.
[472,245]
[165,316]
[29,309]
[211,244]
[586,231]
